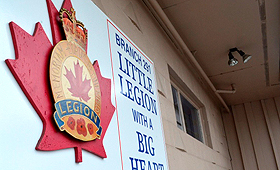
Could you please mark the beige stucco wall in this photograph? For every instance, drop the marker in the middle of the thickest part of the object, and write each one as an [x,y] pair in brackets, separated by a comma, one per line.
[183,151]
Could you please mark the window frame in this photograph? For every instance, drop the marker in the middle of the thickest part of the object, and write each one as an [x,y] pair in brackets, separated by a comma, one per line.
[182,89]
[182,114]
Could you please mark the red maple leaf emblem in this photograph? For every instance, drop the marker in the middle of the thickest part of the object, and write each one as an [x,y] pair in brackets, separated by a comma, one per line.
[79,88]
[30,69]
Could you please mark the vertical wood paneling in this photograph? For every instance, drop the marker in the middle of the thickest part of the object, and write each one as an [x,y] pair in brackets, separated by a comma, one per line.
[232,140]
[260,136]
[233,144]
[255,137]
[257,125]
[273,124]
[244,136]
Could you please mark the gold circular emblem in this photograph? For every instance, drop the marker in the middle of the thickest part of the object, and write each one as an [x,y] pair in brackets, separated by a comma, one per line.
[76,91]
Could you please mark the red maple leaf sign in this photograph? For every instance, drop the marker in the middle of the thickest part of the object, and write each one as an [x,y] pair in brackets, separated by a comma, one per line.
[30,69]
[79,88]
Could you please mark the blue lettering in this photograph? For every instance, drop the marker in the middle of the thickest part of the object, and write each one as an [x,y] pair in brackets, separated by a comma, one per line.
[144,145]
[151,149]
[129,90]
[136,165]
[125,94]
[147,99]
[120,59]
[122,43]
[117,39]
[142,164]
[149,165]
[160,166]
[135,115]
[142,119]
[150,85]
[155,166]
[145,119]
[135,94]
[127,65]
[142,95]
[154,106]
[140,142]
[137,99]
[128,49]
[133,69]
[151,125]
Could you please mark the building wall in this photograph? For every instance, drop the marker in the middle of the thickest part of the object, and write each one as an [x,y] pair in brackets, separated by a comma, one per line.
[183,151]
[256,126]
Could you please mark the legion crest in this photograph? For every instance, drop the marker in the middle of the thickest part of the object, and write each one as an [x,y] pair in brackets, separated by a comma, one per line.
[74,83]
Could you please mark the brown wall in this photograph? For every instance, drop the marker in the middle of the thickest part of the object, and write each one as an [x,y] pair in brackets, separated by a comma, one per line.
[253,132]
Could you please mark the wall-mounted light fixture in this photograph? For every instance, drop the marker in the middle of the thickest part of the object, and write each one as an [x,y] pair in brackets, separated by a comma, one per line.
[233,61]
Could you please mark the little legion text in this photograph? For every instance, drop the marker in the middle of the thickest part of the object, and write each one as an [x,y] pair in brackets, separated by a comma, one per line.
[136,84]
[133,92]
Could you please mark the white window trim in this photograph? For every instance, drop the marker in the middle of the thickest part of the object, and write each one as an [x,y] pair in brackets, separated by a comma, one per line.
[181,113]
[192,99]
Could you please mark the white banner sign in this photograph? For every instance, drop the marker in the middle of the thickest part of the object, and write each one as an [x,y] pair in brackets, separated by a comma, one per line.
[140,128]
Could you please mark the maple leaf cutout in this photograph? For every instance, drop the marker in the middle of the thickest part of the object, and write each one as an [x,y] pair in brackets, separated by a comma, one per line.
[32,56]
[79,88]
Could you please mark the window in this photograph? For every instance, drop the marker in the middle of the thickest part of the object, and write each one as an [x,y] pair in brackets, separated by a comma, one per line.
[190,112]
[187,116]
